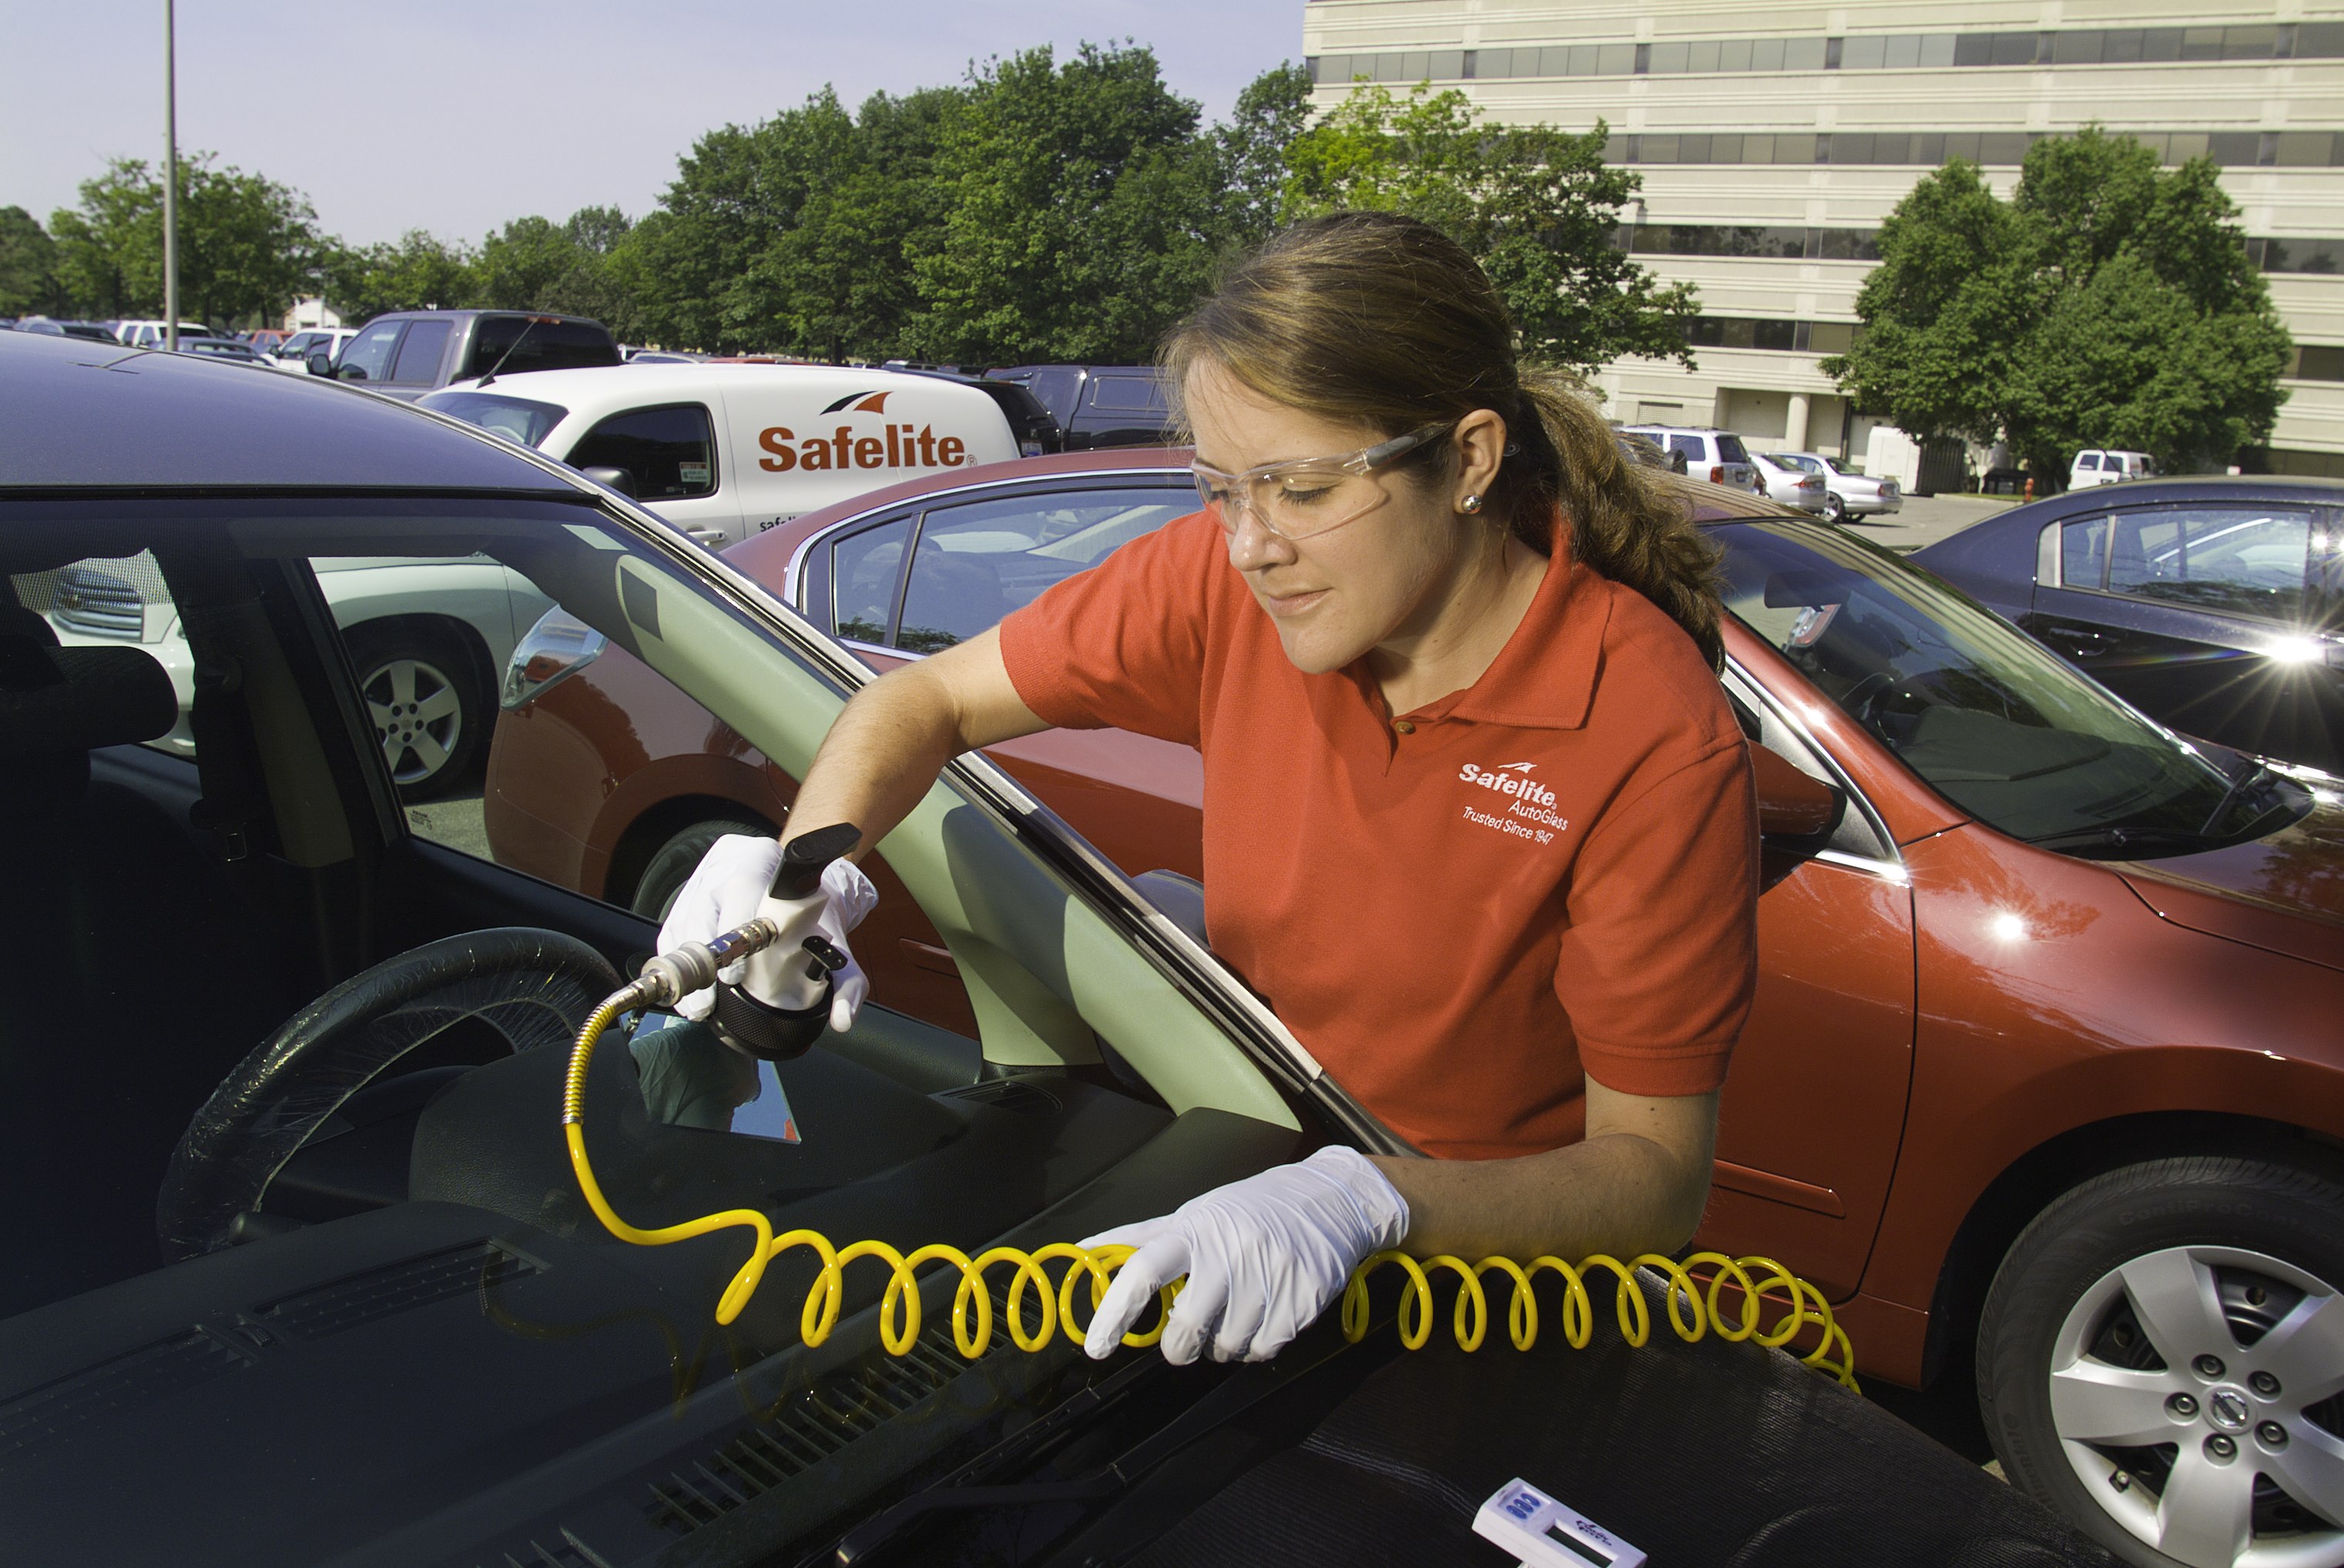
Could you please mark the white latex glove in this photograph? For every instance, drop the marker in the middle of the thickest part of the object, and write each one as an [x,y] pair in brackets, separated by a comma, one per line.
[730,886]
[1264,1257]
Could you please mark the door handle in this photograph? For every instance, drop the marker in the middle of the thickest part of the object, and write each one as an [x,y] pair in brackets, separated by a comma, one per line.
[2090,643]
[709,537]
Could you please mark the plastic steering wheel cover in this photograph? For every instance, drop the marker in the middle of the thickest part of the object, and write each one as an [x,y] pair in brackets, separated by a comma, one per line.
[533,987]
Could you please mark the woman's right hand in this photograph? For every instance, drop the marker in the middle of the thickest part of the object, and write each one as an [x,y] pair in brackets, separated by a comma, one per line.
[731,886]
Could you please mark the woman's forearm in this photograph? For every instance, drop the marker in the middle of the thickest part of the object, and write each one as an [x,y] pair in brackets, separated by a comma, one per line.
[1636,1184]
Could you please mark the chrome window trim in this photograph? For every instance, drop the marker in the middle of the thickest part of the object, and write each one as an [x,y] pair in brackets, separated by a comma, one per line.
[793,574]
[1755,693]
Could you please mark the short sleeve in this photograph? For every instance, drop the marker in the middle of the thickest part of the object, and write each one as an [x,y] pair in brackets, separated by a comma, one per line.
[1122,644]
[1658,962]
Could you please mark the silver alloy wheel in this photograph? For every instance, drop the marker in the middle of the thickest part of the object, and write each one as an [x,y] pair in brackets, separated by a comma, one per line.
[2230,1413]
[418,714]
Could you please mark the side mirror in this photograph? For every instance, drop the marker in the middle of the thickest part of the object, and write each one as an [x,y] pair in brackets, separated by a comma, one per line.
[618,480]
[1791,804]
[320,362]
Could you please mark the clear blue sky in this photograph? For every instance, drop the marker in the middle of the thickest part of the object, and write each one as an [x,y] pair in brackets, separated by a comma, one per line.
[454,115]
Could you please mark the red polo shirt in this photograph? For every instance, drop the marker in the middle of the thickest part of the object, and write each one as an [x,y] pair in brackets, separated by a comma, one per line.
[1464,911]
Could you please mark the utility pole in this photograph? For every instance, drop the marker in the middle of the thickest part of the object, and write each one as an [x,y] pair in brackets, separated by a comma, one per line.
[171,178]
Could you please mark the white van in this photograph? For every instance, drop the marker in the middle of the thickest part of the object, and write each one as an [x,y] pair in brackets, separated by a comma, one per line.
[2101,465]
[722,451]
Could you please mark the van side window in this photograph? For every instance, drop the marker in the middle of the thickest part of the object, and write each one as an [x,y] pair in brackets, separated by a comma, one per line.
[670,451]
[975,564]
[419,355]
[865,569]
[2088,461]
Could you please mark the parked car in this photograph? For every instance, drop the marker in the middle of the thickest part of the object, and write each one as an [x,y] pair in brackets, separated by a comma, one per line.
[293,354]
[1098,405]
[2102,466]
[2214,605]
[408,353]
[1717,457]
[150,334]
[1846,493]
[267,339]
[227,348]
[1789,484]
[723,451]
[2010,965]
[45,326]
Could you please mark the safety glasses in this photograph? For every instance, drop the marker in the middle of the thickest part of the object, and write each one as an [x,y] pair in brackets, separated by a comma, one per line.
[1307,496]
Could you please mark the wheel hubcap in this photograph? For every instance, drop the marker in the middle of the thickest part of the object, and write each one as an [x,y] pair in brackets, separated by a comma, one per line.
[2194,1392]
[417,717]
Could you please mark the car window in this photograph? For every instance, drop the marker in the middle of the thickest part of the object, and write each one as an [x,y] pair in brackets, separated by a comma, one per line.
[2089,460]
[545,345]
[865,569]
[2241,561]
[975,563]
[2084,553]
[1134,394]
[1989,718]
[419,355]
[117,602]
[1690,446]
[367,358]
[670,451]
[519,420]
[1729,450]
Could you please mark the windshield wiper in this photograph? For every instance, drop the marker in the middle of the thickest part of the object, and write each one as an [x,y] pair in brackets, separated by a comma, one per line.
[2124,839]
[2254,775]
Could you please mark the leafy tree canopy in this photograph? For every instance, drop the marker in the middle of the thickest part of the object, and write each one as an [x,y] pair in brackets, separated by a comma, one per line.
[248,245]
[28,266]
[2110,302]
[1536,204]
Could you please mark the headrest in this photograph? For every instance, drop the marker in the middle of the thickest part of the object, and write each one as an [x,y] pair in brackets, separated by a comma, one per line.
[74,700]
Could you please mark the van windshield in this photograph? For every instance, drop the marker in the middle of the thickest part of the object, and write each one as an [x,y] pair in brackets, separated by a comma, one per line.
[515,418]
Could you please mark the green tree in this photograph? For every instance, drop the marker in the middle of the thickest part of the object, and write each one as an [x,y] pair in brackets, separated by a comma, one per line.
[28,265]
[1536,204]
[1271,112]
[2110,302]
[419,272]
[1079,204]
[248,245]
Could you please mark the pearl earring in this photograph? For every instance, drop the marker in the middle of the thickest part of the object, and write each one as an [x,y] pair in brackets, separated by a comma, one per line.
[1470,503]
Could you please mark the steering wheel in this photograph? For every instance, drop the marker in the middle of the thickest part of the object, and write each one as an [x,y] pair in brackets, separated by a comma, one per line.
[533,987]
[1865,700]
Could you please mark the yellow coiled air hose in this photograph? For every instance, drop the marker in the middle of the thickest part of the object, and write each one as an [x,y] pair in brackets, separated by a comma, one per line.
[1692,1311]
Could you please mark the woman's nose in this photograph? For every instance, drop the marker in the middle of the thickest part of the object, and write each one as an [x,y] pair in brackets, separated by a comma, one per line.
[1252,545]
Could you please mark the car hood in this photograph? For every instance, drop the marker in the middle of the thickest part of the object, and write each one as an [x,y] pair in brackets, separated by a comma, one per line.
[2283,892]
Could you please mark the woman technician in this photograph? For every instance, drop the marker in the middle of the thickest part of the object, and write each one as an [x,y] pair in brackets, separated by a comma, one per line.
[1477,821]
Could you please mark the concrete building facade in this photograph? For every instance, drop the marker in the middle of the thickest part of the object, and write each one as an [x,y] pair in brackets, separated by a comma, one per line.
[1774,139]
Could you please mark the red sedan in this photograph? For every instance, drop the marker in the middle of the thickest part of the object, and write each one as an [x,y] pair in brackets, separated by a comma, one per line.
[2046,1058]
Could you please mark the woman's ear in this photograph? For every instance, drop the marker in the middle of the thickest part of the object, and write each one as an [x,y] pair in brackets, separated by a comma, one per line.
[1479,446]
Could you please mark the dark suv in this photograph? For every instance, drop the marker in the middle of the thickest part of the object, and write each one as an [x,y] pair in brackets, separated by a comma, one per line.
[408,353]
[1100,405]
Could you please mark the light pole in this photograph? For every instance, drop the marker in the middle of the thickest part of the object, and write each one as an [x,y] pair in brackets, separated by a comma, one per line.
[170,178]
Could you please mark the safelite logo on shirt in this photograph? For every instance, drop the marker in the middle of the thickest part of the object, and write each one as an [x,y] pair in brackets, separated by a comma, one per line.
[893,446]
[1532,802]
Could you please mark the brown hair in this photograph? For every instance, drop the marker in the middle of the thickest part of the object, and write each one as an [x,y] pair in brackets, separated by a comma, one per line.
[1383,321]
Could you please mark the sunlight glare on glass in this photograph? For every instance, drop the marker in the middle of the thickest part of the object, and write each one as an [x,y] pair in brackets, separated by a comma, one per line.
[2295,650]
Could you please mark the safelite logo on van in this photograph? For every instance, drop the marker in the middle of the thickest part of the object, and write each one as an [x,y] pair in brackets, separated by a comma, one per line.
[857,446]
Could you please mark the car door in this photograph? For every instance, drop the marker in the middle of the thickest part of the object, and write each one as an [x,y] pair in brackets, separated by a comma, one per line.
[670,451]
[2210,616]
[1813,1107]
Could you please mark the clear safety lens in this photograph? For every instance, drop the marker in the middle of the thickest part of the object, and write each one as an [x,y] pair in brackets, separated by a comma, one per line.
[1295,500]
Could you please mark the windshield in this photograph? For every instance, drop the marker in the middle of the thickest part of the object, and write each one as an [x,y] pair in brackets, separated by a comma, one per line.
[516,418]
[1989,718]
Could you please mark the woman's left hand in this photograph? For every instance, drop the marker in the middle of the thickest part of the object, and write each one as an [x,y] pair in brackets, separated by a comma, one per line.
[1264,1257]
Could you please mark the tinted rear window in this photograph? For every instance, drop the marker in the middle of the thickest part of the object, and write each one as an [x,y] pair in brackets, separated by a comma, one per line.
[1729,450]
[547,346]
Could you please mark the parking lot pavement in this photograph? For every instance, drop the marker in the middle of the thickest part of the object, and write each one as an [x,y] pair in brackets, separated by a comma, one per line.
[453,821]
[1926,519]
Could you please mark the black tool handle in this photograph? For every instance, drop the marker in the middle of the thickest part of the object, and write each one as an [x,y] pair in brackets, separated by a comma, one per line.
[804,857]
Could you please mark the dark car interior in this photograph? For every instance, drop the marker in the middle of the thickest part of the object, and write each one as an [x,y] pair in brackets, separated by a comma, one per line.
[378,1196]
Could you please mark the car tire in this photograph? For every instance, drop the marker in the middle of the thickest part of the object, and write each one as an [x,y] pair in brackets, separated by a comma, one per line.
[1835,509]
[671,865]
[2162,1360]
[427,702]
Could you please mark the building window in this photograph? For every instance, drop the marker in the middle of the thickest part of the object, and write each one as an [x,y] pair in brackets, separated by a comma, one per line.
[1770,334]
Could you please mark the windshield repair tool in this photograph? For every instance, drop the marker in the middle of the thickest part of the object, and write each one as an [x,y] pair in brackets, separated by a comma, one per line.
[1543,1533]
[1692,1302]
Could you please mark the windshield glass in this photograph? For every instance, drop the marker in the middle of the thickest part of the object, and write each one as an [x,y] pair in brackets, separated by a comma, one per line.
[516,418]
[1989,718]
